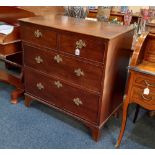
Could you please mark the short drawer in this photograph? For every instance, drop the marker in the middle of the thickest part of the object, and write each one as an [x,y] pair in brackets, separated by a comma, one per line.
[68,68]
[145,80]
[53,91]
[40,36]
[138,96]
[89,47]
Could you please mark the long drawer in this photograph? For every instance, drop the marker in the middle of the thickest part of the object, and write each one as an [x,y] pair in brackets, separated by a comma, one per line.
[144,81]
[39,35]
[91,48]
[81,103]
[71,69]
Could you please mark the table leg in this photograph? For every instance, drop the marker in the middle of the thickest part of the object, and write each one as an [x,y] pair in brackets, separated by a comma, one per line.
[136,113]
[124,119]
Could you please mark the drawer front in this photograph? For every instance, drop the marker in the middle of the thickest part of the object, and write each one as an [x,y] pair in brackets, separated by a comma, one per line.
[80,103]
[138,96]
[39,35]
[145,80]
[70,69]
[89,47]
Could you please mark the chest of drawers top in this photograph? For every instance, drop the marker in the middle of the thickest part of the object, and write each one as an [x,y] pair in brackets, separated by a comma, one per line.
[81,26]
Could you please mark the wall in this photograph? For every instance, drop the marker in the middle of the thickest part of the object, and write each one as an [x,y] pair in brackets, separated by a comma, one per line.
[43,10]
[137,8]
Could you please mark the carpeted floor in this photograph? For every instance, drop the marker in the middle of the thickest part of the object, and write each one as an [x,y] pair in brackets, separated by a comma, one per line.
[42,127]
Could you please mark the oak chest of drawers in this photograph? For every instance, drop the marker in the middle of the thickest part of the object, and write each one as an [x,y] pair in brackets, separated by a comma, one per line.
[76,66]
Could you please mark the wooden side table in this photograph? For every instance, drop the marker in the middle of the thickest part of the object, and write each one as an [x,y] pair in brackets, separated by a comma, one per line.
[10,46]
[151,28]
[11,49]
[141,82]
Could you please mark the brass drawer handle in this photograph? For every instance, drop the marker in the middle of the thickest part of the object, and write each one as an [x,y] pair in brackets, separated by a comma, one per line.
[58,84]
[79,72]
[58,59]
[37,34]
[40,86]
[145,98]
[80,44]
[148,84]
[38,59]
[77,101]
